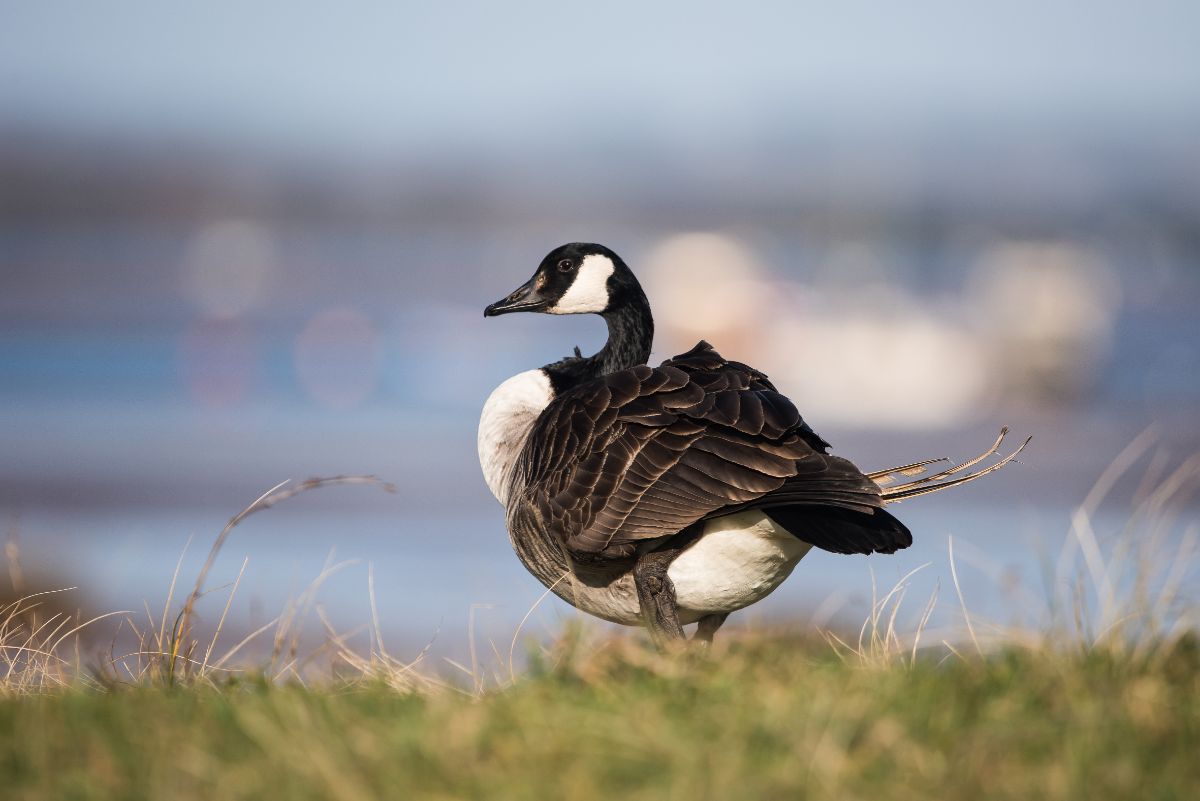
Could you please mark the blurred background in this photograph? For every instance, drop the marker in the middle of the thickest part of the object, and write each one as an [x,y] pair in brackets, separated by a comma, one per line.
[241,244]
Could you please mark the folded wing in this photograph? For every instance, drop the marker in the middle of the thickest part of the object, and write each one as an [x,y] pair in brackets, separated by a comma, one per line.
[643,453]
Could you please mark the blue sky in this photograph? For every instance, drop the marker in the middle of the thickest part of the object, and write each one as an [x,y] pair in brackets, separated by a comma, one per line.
[382,75]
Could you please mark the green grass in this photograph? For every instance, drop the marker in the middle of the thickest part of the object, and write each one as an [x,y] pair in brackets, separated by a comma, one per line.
[760,719]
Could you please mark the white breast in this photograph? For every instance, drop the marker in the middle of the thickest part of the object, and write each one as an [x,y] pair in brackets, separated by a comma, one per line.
[740,559]
[507,418]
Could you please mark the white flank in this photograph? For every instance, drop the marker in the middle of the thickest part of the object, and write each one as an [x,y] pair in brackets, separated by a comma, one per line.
[616,603]
[507,418]
[589,291]
[739,560]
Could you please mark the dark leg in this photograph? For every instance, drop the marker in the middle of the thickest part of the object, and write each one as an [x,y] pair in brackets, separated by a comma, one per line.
[708,626]
[656,594]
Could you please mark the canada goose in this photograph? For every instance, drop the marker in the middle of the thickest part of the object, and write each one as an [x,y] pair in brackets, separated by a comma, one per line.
[675,494]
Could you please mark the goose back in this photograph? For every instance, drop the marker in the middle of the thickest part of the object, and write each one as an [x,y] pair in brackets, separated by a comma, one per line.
[630,458]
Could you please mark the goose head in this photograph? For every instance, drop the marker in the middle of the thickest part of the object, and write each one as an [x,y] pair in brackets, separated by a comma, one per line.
[577,278]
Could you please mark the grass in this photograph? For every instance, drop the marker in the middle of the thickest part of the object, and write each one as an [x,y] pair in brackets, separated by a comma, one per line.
[765,719]
[1096,694]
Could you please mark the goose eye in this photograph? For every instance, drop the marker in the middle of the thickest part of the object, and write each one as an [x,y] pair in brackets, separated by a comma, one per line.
[566,265]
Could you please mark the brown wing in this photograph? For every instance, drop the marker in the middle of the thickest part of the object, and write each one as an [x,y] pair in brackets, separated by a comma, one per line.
[643,453]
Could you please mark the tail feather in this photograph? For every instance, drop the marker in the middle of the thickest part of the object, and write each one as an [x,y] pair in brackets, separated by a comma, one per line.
[885,477]
[838,530]
[935,482]
[961,467]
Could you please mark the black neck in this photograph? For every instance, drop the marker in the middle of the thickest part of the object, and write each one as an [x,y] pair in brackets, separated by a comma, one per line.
[630,333]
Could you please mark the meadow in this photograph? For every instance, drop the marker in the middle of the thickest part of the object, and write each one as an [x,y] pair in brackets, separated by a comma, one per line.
[1099,698]
[757,719]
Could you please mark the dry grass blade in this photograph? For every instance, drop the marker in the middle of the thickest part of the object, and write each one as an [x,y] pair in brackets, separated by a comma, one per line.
[962,601]
[477,677]
[925,615]
[271,497]
[161,641]
[290,628]
[512,647]
[245,640]
[224,614]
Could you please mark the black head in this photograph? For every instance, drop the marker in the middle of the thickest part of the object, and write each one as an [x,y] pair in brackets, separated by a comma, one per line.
[579,278]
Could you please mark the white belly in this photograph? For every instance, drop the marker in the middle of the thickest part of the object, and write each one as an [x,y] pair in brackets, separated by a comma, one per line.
[740,559]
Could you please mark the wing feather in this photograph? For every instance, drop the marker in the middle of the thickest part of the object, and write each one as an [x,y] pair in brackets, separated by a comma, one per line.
[643,453]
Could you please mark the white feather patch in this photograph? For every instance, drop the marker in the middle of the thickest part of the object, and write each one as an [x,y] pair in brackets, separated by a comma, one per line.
[588,293]
[507,418]
[740,559]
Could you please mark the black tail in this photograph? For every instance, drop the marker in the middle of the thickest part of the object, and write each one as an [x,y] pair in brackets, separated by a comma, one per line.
[832,528]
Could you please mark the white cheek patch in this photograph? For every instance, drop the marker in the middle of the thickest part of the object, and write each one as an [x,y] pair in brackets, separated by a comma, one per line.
[589,292]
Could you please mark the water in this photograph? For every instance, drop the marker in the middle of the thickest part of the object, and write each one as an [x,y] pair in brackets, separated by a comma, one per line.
[131,421]
[432,571]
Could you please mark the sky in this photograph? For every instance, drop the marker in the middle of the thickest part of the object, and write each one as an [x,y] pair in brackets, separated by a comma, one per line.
[384,76]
